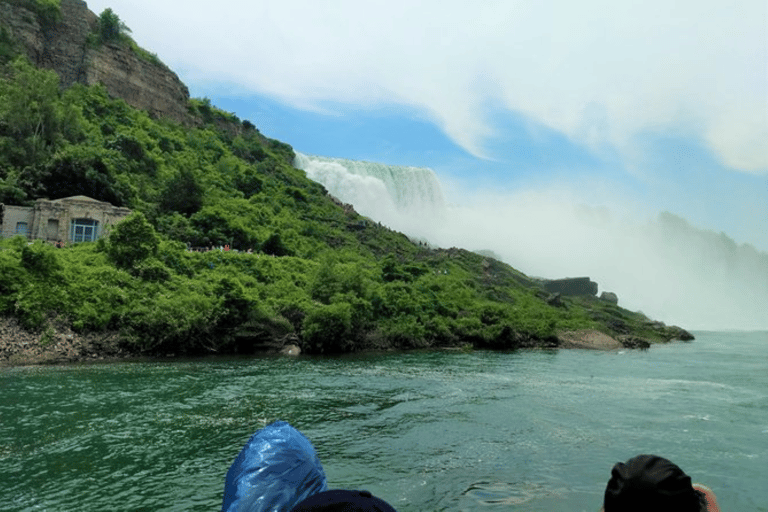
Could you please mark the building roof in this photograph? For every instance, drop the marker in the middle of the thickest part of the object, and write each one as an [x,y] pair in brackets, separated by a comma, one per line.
[77,198]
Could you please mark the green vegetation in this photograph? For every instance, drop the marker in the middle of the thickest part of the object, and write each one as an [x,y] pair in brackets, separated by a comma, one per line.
[7,46]
[111,29]
[299,268]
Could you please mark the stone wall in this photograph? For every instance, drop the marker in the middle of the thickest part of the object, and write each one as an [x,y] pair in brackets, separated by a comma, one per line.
[12,217]
[63,48]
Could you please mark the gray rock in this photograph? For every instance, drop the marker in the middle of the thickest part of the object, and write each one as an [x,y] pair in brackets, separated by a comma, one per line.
[64,49]
[572,286]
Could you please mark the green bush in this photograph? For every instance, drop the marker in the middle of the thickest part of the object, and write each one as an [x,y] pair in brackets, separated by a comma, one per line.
[150,269]
[181,321]
[40,259]
[12,278]
[404,331]
[111,27]
[183,194]
[328,329]
[132,241]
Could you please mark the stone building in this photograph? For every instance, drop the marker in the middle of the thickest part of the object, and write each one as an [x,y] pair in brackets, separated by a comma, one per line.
[70,219]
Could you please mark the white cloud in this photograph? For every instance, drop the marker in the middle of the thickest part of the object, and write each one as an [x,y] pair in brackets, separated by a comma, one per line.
[598,71]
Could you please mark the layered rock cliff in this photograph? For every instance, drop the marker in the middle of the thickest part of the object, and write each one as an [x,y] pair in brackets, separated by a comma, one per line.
[63,47]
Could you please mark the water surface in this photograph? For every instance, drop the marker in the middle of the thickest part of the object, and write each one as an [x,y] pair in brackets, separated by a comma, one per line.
[526,430]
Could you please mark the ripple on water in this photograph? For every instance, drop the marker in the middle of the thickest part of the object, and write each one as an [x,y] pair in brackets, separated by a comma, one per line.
[506,493]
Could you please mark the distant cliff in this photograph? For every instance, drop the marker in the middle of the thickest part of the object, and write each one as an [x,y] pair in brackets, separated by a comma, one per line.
[63,47]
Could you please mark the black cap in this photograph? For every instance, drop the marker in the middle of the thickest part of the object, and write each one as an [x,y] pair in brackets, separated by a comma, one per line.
[343,501]
[650,482]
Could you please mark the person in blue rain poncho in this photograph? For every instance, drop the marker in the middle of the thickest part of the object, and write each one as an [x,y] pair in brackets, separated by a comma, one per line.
[278,471]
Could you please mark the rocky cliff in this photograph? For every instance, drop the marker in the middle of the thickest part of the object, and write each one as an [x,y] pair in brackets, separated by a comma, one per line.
[63,47]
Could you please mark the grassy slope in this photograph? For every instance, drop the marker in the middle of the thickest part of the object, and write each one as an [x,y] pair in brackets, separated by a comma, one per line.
[320,275]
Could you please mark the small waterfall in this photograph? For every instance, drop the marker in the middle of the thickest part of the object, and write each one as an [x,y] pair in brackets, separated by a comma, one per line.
[666,267]
[408,199]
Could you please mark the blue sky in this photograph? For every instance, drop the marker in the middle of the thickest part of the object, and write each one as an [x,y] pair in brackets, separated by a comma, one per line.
[636,108]
[675,172]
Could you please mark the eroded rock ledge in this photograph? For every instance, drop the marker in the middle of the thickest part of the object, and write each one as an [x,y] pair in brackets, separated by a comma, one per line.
[64,48]
[596,340]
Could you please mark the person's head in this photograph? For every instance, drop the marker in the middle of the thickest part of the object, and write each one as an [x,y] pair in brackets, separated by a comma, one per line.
[339,500]
[648,483]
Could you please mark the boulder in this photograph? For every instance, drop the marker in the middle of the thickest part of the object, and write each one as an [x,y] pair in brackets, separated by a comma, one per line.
[635,342]
[587,338]
[609,297]
[678,333]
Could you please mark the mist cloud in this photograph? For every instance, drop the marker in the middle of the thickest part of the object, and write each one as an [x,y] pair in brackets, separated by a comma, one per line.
[656,263]
[659,264]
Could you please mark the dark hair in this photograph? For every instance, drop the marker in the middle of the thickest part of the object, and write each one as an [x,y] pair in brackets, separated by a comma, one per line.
[650,482]
[340,500]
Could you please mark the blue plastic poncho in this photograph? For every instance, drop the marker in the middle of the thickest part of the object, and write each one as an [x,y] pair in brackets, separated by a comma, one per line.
[276,469]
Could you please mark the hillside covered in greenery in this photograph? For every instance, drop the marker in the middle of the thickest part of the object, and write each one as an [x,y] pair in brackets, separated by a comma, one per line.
[302,268]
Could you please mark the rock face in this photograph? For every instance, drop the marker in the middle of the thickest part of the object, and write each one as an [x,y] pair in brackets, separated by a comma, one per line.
[23,26]
[142,85]
[571,286]
[63,48]
[589,339]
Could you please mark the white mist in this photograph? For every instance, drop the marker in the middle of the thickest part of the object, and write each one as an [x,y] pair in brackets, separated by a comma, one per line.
[661,265]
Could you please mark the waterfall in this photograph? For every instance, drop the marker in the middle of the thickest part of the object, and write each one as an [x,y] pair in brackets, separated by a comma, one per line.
[664,266]
[408,199]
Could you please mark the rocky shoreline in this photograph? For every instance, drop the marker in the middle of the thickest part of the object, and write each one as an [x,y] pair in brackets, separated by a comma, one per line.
[593,339]
[60,345]
[55,345]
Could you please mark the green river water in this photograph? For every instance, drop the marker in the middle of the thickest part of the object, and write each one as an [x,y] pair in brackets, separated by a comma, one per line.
[442,430]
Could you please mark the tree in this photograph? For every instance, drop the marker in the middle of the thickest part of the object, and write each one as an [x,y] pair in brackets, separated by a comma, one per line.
[183,194]
[275,246]
[111,27]
[327,329]
[81,170]
[30,113]
[132,241]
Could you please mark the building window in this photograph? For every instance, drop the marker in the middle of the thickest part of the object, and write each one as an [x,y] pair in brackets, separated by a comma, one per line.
[22,228]
[84,230]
